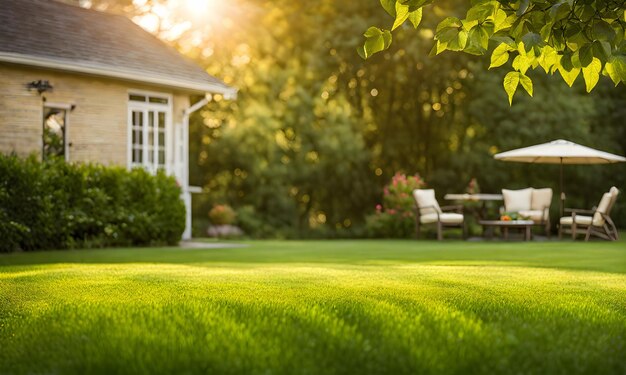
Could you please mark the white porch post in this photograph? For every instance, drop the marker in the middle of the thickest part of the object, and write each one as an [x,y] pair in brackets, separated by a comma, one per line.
[184,168]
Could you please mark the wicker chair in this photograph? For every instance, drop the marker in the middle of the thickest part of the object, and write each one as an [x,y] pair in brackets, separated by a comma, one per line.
[599,222]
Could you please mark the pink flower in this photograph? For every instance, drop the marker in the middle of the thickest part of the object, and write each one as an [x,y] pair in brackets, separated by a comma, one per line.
[391,211]
[379,207]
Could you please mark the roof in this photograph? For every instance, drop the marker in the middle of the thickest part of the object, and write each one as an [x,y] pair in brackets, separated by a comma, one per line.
[51,34]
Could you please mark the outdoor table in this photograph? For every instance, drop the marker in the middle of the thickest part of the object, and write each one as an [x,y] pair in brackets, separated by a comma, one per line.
[525,225]
[473,197]
[484,198]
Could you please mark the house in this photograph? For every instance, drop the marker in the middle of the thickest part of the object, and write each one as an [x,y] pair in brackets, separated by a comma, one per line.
[94,87]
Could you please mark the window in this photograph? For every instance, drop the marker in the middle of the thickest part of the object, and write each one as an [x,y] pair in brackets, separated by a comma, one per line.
[149,116]
[54,133]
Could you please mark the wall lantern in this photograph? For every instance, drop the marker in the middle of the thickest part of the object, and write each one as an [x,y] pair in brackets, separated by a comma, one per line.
[41,86]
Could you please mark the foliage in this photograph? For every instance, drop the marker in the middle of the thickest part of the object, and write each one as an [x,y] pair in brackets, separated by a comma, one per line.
[473,187]
[316,132]
[395,218]
[570,37]
[222,214]
[55,205]
[317,307]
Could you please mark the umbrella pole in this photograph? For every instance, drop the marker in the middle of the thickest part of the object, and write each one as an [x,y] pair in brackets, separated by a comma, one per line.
[562,200]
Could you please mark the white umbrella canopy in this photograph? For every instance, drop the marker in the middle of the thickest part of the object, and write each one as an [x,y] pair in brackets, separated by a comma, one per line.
[559,152]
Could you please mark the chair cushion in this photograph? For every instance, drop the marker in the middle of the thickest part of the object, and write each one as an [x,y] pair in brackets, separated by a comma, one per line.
[603,206]
[534,215]
[567,220]
[541,199]
[426,198]
[446,218]
[517,200]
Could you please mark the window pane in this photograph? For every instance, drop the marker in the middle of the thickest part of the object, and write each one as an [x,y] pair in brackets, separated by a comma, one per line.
[161,157]
[161,120]
[153,99]
[137,118]
[137,98]
[137,137]
[137,155]
[162,139]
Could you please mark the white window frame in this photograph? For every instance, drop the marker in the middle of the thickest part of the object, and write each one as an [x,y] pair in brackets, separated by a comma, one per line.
[146,108]
[66,131]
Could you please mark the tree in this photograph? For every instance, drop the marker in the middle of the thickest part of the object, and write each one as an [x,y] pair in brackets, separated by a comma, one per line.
[566,36]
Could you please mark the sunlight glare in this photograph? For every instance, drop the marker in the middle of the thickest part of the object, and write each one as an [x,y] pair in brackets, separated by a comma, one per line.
[200,8]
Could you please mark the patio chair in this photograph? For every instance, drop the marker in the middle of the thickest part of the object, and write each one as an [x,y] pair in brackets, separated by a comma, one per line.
[530,203]
[599,222]
[428,211]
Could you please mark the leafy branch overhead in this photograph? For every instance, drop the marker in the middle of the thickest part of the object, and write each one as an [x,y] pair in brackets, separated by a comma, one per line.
[566,36]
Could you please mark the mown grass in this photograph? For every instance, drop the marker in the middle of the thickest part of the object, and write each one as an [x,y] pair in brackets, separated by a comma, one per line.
[319,307]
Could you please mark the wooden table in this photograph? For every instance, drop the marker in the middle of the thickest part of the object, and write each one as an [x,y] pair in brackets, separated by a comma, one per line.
[504,225]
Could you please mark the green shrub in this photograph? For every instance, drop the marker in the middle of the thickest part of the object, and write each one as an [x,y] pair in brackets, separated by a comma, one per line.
[55,205]
[395,217]
[222,214]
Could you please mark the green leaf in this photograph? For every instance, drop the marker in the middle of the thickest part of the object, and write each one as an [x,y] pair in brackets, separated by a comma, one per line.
[527,83]
[460,42]
[402,13]
[361,51]
[416,17]
[569,76]
[523,6]
[501,20]
[548,58]
[559,11]
[511,81]
[566,61]
[616,69]
[602,30]
[373,45]
[387,38]
[389,6]
[499,56]
[451,22]
[479,36]
[519,28]
[479,12]
[372,32]
[591,74]
[574,37]
[584,55]
[506,40]
[521,63]
[533,42]
[453,38]
[602,50]
[376,41]
[415,4]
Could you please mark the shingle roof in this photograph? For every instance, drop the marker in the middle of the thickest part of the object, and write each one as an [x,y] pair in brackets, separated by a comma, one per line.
[48,33]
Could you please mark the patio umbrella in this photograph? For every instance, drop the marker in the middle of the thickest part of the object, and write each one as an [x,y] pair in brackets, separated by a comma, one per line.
[560,152]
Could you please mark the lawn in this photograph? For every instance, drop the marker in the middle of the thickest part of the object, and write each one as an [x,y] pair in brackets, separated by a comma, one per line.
[318,307]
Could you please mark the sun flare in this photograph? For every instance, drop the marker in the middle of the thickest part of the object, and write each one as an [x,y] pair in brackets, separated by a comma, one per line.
[200,8]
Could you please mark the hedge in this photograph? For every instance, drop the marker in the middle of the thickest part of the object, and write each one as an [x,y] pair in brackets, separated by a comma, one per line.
[56,205]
